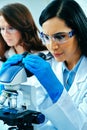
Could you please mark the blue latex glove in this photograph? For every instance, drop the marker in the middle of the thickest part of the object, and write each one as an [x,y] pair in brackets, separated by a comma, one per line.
[11,61]
[1,88]
[42,70]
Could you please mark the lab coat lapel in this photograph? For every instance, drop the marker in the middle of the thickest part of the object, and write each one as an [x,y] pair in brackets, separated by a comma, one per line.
[80,77]
[57,68]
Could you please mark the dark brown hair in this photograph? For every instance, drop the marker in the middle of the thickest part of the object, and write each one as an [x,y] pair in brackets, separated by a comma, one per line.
[18,16]
[74,17]
[3,48]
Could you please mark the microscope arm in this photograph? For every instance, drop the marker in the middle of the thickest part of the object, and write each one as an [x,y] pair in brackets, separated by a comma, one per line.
[13,76]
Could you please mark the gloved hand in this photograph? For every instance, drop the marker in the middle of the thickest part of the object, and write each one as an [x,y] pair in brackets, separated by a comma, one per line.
[11,61]
[42,70]
[1,88]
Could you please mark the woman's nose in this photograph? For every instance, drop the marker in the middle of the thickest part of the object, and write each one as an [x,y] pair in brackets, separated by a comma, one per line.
[54,45]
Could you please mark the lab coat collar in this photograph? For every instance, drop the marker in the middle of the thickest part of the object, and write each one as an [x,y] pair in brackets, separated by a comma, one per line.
[9,53]
[80,77]
[57,68]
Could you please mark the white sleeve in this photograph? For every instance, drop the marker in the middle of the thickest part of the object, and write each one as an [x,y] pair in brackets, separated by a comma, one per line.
[64,115]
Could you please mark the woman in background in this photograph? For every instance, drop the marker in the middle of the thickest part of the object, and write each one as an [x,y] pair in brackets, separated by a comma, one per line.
[18,31]
[18,34]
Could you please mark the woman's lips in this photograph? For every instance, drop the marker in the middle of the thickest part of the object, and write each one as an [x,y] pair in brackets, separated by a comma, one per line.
[57,54]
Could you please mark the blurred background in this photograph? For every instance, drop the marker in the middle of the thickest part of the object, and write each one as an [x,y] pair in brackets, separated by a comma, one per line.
[36,6]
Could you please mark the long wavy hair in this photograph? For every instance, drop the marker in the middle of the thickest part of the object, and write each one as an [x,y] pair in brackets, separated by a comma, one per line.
[19,17]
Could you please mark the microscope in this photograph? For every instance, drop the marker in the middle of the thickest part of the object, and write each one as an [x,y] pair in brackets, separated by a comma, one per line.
[18,118]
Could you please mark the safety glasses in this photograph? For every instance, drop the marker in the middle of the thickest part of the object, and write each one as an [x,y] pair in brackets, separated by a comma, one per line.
[60,37]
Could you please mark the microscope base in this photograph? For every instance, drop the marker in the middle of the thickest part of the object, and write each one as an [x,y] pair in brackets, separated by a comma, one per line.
[21,119]
[24,128]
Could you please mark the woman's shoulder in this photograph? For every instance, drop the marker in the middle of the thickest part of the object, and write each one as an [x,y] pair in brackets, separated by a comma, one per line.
[9,53]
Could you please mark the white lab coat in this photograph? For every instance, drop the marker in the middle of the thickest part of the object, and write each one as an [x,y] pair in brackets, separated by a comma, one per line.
[70,111]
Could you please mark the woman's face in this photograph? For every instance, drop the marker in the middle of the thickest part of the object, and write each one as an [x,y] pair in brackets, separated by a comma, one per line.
[62,51]
[9,34]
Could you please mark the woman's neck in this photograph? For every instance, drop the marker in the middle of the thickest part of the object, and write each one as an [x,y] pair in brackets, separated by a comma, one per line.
[73,61]
[19,49]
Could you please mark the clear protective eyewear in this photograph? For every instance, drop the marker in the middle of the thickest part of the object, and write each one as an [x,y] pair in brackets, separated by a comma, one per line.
[9,29]
[60,37]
